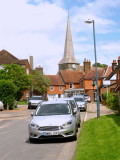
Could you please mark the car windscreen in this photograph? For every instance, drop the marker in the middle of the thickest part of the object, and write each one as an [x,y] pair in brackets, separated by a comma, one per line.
[79,99]
[36,98]
[53,109]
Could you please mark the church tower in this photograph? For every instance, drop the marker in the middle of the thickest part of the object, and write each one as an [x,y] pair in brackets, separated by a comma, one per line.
[68,62]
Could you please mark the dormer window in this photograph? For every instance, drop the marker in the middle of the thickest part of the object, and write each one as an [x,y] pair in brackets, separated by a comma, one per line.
[71,85]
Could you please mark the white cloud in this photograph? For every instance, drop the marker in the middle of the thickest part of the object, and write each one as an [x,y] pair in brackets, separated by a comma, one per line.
[39,30]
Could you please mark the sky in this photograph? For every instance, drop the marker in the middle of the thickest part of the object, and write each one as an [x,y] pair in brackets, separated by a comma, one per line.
[38,28]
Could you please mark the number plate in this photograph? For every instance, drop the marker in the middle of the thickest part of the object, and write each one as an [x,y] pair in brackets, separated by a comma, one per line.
[49,133]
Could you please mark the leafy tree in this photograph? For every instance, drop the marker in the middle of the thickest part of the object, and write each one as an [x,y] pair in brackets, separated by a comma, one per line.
[40,83]
[17,75]
[100,65]
[7,93]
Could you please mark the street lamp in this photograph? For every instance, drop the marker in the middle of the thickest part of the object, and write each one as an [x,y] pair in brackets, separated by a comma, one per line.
[97,94]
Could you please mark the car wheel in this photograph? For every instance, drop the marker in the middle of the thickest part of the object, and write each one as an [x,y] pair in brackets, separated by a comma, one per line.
[31,140]
[29,107]
[79,125]
[74,138]
[77,128]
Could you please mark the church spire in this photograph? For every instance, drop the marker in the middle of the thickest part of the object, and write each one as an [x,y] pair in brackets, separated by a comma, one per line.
[68,50]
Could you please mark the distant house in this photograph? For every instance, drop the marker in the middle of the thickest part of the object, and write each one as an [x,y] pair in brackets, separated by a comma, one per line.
[57,87]
[8,58]
[89,82]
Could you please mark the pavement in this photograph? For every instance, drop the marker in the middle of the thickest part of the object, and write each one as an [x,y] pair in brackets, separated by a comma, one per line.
[92,111]
[18,112]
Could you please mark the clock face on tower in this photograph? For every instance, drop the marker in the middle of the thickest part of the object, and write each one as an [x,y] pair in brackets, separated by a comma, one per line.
[73,65]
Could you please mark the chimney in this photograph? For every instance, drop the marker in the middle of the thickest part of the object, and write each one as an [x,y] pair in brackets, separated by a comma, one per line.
[87,65]
[114,65]
[31,62]
[119,60]
[40,69]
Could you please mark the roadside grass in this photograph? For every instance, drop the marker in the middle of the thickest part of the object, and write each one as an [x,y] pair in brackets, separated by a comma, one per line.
[99,139]
[22,102]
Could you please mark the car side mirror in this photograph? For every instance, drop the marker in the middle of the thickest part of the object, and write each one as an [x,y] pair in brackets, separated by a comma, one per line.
[32,114]
[74,112]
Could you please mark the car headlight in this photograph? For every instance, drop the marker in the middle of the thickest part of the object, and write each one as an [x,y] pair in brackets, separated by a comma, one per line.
[34,125]
[65,125]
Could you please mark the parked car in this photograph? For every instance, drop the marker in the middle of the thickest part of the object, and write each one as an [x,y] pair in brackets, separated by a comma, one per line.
[75,108]
[87,98]
[1,106]
[34,101]
[53,119]
[80,100]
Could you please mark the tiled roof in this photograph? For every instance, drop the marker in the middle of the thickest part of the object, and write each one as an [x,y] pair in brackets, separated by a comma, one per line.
[71,76]
[92,74]
[55,80]
[7,58]
[22,61]
[108,71]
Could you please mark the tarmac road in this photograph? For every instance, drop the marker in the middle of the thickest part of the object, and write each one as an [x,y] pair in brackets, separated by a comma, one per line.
[14,143]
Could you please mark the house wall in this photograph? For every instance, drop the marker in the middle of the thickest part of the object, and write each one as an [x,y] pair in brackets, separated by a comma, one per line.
[56,93]
[90,89]
[75,85]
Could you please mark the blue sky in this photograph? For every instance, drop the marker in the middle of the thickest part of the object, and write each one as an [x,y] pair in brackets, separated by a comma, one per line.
[38,27]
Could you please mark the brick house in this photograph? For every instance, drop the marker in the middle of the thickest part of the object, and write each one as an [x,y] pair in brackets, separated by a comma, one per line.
[113,77]
[89,81]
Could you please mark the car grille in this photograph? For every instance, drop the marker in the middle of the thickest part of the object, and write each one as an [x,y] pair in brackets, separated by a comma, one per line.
[48,128]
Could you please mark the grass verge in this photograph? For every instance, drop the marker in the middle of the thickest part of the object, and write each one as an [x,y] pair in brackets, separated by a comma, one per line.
[99,139]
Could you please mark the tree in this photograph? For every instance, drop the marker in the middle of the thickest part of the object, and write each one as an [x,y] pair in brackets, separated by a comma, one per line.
[7,93]
[17,75]
[100,65]
[40,83]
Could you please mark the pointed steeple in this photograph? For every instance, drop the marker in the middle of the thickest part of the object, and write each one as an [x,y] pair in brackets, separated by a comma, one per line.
[68,50]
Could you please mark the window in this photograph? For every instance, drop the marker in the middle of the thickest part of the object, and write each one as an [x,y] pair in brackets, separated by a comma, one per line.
[51,88]
[27,70]
[60,88]
[71,85]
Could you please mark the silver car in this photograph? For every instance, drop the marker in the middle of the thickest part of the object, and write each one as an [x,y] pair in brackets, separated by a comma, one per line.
[80,100]
[1,106]
[34,101]
[75,107]
[53,120]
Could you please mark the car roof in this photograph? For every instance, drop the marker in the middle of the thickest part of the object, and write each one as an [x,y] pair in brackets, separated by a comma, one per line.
[66,98]
[54,102]
[79,96]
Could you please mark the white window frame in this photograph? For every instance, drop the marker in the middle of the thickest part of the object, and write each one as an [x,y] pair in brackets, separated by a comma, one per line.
[51,88]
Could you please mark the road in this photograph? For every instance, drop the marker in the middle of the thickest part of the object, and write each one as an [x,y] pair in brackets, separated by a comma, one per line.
[14,143]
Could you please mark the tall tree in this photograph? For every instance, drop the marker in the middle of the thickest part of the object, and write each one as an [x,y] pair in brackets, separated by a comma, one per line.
[101,65]
[7,93]
[18,76]
[40,83]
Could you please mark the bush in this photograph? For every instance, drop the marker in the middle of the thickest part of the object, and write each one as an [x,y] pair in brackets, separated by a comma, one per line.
[111,100]
[7,93]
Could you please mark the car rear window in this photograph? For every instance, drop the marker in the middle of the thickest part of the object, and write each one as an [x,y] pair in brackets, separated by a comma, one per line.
[36,98]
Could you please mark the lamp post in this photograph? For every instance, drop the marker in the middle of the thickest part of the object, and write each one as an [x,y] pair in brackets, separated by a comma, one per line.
[97,95]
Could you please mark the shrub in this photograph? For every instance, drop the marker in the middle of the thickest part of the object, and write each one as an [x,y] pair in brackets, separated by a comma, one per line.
[111,100]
